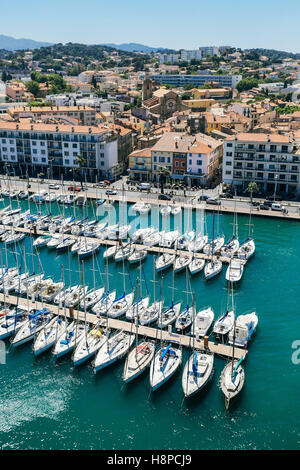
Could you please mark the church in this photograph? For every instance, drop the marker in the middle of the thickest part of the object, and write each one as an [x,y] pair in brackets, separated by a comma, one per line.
[161,103]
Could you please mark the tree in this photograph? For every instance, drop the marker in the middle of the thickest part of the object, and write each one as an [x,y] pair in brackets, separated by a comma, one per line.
[33,87]
[4,76]
[246,84]
[252,188]
[81,161]
[163,174]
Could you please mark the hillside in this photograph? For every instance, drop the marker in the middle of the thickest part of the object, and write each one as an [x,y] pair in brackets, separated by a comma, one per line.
[11,44]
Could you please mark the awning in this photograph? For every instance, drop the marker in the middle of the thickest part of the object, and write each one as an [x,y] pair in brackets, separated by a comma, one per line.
[178,177]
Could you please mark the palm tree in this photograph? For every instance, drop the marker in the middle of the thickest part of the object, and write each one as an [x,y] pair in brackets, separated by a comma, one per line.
[163,173]
[252,188]
[81,161]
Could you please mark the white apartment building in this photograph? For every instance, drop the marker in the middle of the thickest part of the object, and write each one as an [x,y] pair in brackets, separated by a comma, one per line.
[209,50]
[54,149]
[272,161]
[189,55]
[168,58]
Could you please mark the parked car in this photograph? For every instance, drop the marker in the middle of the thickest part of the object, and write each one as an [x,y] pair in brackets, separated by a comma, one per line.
[255,203]
[144,186]
[202,198]
[74,188]
[226,195]
[53,186]
[213,201]
[276,207]
[268,203]
[111,192]
[264,207]
[164,197]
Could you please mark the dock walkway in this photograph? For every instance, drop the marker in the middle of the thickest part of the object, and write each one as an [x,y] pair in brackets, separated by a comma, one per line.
[219,349]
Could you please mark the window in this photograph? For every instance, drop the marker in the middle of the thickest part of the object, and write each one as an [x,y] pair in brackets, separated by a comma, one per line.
[33,142]
[227,172]
[44,160]
[67,154]
[67,161]
[43,152]
[228,163]
[229,145]
[199,162]
[154,158]
[190,162]
[34,151]
[66,144]
[228,154]
[154,167]
[42,144]
[284,148]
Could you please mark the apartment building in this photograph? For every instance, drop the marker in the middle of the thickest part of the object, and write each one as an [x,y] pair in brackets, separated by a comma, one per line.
[209,50]
[140,165]
[168,58]
[187,56]
[197,80]
[54,149]
[16,91]
[83,114]
[272,161]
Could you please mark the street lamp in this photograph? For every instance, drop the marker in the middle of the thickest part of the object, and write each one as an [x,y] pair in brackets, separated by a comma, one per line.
[276,178]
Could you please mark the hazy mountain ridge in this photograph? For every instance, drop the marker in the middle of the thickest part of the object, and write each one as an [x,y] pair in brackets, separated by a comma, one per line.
[12,44]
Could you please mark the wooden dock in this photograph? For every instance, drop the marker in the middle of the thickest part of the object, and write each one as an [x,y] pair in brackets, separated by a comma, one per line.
[152,249]
[222,350]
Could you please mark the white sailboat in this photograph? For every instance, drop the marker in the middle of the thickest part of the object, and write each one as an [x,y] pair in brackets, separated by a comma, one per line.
[137,256]
[31,326]
[90,343]
[138,360]
[120,305]
[224,324]
[102,307]
[181,262]
[232,380]
[247,249]
[47,337]
[12,322]
[197,372]
[164,365]
[117,346]
[69,338]
[164,261]
[196,265]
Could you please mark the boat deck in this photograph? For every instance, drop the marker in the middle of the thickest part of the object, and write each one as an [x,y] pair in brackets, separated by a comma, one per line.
[219,349]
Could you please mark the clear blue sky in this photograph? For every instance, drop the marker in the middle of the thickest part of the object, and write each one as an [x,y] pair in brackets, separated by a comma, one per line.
[165,23]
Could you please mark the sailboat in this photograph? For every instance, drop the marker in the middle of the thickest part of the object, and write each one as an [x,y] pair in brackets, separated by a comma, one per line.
[164,261]
[35,322]
[214,266]
[196,265]
[138,359]
[47,337]
[164,365]
[117,346]
[169,314]
[231,247]
[197,372]
[247,247]
[12,322]
[225,323]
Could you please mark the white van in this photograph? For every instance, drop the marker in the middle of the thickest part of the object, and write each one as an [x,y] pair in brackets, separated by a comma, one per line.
[276,207]
[144,186]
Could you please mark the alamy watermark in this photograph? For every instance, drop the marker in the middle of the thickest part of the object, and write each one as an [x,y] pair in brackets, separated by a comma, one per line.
[296,353]
[2,352]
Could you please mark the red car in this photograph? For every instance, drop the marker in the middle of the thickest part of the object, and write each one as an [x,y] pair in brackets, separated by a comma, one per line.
[74,188]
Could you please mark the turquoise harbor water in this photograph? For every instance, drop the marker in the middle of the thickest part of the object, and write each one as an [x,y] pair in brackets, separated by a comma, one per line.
[48,405]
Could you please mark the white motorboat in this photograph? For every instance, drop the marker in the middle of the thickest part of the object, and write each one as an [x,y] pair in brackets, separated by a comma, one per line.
[245,326]
[137,256]
[164,364]
[102,307]
[23,195]
[150,314]
[224,324]
[120,305]
[181,262]
[26,285]
[185,319]
[169,238]
[138,359]
[71,336]
[10,284]
[50,197]
[48,293]
[32,326]
[48,336]
[230,248]
[169,315]
[137,308]
[117,346]
[91,298]
[235,270]
[89,344]
[202,322]
[164,261]
[176,210]
[247,249]
[197,372]
[212,268]
[232,380]
[145,208]
[214,246]
[196,265]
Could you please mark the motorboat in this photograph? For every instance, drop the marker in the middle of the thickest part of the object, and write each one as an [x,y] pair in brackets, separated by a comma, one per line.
[117,346]
[169,315]
[48,293]
[247,249]
[197,372]
[169,238]
[235,270]
[120,305]
[164,365]
[245,326]
[224,324]
[176,210]
[183,242]
[164,261]
[138,360]
[165,210]
[202,322]
[196,265]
